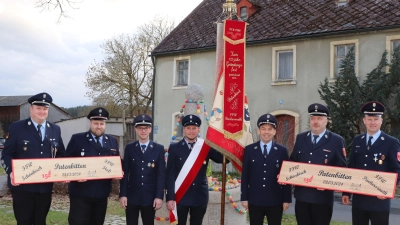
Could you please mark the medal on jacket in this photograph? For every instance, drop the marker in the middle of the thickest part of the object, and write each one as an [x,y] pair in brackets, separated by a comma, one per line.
[375,159]
[25,147]
[148,164]
[204,162]
[277,163]
[83,152]
[381,160]
[152,165]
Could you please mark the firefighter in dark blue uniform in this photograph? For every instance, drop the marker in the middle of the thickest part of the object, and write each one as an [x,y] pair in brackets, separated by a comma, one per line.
[261,193]
[318,146]
[142,187]
[195,199]
[32,138]
[376,151]
[88,199]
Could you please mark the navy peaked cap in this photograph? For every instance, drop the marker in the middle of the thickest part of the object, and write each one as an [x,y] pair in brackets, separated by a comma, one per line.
[98,114]
[191,120]
[373,108]
[41,99]
[267,119]
[142,120]
[317,109]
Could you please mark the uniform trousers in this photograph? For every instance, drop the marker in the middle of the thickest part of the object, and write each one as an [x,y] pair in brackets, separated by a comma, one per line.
[313,214]
[87,211]
[362,217]
[196,214]
[273,214]
[147,213]
[30,207]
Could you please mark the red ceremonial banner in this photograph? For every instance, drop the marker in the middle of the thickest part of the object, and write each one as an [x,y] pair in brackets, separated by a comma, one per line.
[229,129]
[234,40]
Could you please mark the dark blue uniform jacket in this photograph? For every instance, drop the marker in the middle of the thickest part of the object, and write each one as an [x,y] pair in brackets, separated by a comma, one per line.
[330,151]
[259,176]
[144,174]
[385,150]
[197,193]
[83,145]
[24,142]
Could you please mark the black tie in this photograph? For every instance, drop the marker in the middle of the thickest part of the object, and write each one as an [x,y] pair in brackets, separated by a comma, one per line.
[191,145]
[369,142]
[265,151]
[143,148]
[98,144]
[39,131]
[315,139]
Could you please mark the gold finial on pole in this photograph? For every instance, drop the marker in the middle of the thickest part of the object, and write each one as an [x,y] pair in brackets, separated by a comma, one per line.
[229,8]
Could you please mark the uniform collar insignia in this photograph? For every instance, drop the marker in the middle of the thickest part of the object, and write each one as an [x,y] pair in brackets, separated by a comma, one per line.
[151,146]
[255,147]
[183,143]
[308,134]
[87,135]
[136,144]
[362,137]
[29,123]
[382,138]
[48,125]
[106,137]
[275,148]
[326,136]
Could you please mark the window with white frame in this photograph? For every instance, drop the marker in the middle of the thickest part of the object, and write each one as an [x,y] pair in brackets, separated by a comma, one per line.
[395,44]
[338,51]
[392,42]
[340,54]
[182,73]
[284,65]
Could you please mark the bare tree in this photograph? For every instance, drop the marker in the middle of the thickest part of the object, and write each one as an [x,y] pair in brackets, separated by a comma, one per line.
[125,76]
[61,5]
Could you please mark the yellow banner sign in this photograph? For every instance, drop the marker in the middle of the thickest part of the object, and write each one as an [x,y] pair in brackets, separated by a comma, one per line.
[367,182]
[66,169]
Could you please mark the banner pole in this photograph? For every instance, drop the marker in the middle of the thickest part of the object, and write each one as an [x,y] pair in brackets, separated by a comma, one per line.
[223,190]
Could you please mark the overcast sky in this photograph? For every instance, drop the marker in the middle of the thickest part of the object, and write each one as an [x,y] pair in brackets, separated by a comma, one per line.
[39,55]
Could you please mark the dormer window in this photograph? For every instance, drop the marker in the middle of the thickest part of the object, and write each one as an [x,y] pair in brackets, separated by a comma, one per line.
[243,13]
[342,2]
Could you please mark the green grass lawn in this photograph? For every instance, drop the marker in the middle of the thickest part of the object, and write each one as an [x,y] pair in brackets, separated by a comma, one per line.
[2,172]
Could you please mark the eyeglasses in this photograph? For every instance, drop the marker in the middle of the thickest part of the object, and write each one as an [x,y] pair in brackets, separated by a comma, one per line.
[142,128]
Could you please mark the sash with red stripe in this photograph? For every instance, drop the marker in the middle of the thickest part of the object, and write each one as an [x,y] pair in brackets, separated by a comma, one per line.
[188,173]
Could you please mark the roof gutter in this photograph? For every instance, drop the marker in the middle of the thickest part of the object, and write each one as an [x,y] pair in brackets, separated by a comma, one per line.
[272,40]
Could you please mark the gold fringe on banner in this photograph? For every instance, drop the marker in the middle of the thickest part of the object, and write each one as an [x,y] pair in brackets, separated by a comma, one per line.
[235,42]
[234,136]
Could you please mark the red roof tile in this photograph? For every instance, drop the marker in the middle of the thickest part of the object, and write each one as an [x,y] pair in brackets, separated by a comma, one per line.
[282,19]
